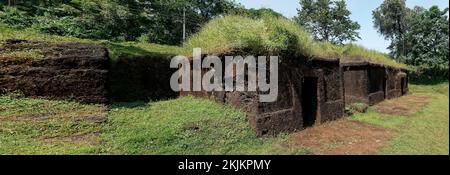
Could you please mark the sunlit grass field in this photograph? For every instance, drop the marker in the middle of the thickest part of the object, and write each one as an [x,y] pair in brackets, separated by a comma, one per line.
[425,132]
[188,125]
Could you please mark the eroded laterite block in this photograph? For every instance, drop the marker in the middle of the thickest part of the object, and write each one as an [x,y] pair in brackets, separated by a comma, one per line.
[63,71]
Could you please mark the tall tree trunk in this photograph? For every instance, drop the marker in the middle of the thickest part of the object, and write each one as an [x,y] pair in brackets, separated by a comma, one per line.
[401,37]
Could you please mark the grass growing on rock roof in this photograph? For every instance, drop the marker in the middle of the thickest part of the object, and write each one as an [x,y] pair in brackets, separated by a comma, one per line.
[274,36]
[269,35]
[352,52]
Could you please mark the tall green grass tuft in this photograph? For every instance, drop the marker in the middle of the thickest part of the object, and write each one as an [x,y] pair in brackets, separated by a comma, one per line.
[266,35]
[185,125]
[349,52]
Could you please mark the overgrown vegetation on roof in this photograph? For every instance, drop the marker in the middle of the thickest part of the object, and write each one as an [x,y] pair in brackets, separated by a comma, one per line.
[116,49]
[352,52]
[268,34]
[275,36]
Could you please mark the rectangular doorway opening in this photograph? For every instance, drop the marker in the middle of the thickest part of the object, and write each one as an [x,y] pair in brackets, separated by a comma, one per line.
[384,87]
[309,101]
[403,86]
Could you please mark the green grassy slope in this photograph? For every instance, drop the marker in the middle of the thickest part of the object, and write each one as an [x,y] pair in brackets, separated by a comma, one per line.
[37,126]
[425,132]
[182,126]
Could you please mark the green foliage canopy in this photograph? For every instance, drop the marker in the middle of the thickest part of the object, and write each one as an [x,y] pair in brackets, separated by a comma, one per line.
[428,35]
[328,20]
[154,21]
[419,36]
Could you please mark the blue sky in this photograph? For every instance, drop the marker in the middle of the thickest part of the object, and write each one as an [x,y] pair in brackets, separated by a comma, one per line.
[361,12]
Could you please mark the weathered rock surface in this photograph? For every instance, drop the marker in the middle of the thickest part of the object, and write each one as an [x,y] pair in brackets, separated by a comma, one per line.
[62,71]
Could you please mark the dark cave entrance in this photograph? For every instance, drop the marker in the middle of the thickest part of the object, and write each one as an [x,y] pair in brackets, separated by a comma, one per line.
[309,101]
[384,87]
[403,86]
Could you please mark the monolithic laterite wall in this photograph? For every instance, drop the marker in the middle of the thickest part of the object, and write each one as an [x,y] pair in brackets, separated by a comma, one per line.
[377,84]
[141,78]
[63,71]
[363,83]
[356,86]
[82,72]
[397,83]
[286,114]
[371,83]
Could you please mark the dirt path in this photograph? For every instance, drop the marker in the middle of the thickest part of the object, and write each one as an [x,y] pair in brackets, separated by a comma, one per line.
[405,106]
[353,137]
[77,139]
[342,137]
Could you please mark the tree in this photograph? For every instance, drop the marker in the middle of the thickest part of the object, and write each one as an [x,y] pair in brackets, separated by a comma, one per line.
[156,21]
[429,34]
[418,36]
[255,13]
[328,20]
[391,19]
[166,19]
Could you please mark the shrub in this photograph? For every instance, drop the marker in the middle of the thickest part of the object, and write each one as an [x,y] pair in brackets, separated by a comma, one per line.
[429,73]
[14,17]
[357,108]
[64,26]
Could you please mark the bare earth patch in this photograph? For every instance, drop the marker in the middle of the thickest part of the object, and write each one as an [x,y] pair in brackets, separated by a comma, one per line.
[405,106]
[343,137]
[27,117]
[87,138]
[95,115]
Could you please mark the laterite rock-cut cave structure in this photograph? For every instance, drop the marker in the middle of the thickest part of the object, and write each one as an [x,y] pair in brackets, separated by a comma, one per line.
[82,72]
[311,89]
[310,92]
[370,83]
[141,78]
[61,71]
[316,79]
